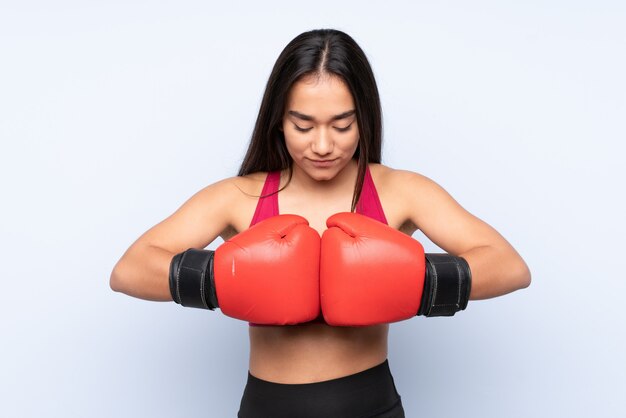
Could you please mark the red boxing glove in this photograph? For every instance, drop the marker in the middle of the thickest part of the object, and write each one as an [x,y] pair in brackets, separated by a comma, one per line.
[371,273]
[269,274]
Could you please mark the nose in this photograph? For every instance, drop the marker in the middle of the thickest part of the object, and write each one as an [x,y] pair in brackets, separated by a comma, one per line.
[322,143]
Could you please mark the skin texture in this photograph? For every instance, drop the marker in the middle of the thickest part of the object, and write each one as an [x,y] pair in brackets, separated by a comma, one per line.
[317,352]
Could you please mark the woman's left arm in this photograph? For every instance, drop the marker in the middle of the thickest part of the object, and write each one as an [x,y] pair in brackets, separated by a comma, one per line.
[496,266]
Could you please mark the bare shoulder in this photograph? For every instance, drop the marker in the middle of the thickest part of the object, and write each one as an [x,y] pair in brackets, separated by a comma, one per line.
[398,190]
[212,211]
[406,185]
[423,198]
[237,192]
[232,189]
[250,184]
[431,209]
[391,177]
[245,194]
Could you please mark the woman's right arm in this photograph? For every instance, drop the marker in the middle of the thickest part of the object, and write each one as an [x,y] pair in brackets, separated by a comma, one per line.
[143,270]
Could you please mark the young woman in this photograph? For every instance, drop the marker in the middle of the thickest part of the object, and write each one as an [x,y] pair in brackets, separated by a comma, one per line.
[318,338]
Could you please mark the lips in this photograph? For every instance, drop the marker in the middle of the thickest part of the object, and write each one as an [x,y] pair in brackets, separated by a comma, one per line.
[323,163]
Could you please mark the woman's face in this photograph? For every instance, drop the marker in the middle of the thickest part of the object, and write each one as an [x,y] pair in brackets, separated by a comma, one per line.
[320,126]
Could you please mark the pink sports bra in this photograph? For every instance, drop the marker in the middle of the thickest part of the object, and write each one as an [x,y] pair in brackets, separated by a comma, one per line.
[267,206]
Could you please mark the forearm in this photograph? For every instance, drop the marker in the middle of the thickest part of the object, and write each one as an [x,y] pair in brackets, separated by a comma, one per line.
[496,271]
[143,273]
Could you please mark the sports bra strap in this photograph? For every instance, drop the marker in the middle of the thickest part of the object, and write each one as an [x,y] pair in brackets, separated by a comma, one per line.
[267,205]
[368,204]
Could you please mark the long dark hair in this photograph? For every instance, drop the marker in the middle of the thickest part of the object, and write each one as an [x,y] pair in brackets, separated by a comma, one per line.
[316,52]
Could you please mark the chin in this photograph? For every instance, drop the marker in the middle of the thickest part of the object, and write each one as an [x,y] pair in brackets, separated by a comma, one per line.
[325,177]
[322,175]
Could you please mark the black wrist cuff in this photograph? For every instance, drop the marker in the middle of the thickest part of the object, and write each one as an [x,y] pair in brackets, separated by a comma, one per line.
[191,279]
[447,285]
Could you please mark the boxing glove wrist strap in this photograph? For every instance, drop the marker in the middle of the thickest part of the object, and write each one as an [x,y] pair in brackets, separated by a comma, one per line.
[447,285]
[191,279]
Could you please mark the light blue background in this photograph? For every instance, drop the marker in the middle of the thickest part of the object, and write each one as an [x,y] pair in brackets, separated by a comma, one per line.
[112,114]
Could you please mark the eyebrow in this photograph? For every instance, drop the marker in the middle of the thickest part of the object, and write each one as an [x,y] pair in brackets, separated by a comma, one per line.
[311,118]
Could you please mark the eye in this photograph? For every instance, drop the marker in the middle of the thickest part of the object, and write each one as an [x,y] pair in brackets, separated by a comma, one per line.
[301,129]
[347,128]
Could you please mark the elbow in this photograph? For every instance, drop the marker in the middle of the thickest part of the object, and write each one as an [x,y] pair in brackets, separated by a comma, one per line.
[523,276]
[115,281]
[501,278]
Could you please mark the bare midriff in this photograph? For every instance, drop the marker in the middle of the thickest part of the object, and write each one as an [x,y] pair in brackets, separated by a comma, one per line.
[315,352]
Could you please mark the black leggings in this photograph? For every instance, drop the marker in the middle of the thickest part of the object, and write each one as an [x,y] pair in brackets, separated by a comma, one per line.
[367,394]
